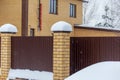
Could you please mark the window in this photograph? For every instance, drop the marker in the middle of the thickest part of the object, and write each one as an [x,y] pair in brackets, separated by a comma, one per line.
[72,10]
[53,6]
[32,32]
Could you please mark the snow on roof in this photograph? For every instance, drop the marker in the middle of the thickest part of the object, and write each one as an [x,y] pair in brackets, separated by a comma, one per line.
[29,74]
[96,27]
[109,70]
[61,26]
[8,28]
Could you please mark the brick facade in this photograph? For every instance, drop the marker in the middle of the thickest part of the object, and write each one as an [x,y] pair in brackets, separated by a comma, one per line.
[14,8]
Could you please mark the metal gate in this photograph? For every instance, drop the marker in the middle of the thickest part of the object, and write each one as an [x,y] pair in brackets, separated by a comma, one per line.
[89,50]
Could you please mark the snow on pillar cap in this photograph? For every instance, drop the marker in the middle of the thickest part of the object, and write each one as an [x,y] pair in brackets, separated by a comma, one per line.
[61,26]
[8,28]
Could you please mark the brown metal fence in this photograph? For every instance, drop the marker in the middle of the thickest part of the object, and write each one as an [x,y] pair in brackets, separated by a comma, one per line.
[32,53]
[36,52]
[89,50]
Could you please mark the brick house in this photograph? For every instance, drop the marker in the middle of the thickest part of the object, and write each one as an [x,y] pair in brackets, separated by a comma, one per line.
[35,17]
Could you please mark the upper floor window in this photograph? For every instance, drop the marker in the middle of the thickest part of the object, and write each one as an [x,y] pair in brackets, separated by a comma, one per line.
[53,6]
[72,10]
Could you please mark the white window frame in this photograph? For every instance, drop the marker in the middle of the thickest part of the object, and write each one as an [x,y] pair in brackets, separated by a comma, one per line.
[73,10]
[53,6]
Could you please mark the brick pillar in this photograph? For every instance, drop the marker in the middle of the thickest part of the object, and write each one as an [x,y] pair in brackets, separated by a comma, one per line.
[61,50]
[61,55]
[6,32]
[5,54]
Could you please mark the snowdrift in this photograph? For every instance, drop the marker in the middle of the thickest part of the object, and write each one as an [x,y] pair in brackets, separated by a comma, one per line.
[109,70]
[29,74]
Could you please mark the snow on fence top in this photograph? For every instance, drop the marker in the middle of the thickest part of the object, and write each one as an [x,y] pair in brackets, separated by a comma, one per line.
[109,70]
[8,28]
[61,26]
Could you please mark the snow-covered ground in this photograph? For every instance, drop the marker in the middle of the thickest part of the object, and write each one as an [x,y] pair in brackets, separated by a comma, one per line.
[109,70]
[31,75]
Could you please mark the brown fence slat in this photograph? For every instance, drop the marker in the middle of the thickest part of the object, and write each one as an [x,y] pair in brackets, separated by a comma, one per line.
[32,53]
[0,51]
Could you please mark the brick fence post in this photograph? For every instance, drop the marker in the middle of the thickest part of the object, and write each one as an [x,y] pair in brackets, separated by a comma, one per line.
[61,50]
[6,32]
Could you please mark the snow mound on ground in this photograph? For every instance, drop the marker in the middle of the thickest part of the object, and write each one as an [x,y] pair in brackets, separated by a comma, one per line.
[28,74]
[109,70]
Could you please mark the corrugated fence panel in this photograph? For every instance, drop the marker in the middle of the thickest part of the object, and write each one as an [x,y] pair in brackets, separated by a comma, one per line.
[33,53]
[89,50]
[0,51]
